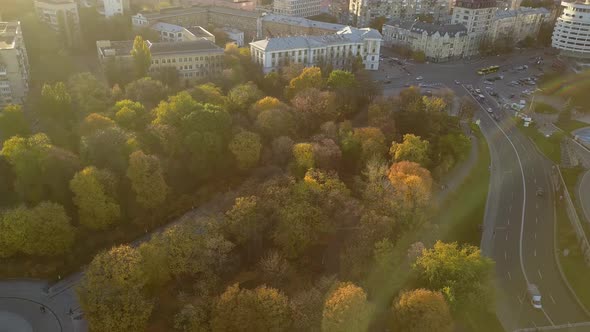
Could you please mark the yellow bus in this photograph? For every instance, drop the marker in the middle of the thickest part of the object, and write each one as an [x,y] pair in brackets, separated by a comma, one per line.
[488,70]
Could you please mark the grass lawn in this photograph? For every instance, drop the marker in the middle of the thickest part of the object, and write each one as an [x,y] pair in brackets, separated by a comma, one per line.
[544,108]
[549,146]
[461,214]
[571,125]
[573,265]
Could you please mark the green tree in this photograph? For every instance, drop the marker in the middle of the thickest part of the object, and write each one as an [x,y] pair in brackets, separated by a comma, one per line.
[94,196]
[303,154]
[462,274]
[112,292]
[314,107]
[372,143]
[142,57]
[89,95]
[434,104]
[310,77]
[412,149]
[13,122]
[347,309]
[340,79]
[241,97]
[147,179]
[208,93]
[421,310]
[131,115]
[94,123]
[147,91]
[467,108]
[43,230]
[275,122]
[419,56]
[244,221]
[246,148]
[108,148]
[261,309]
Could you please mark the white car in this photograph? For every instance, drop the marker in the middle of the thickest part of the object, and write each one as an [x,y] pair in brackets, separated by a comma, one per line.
[457,82]
[419,78]
[490,110]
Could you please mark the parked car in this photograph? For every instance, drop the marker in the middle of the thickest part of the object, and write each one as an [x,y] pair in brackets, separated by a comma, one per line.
[490,110]
[419,78]
[457,82]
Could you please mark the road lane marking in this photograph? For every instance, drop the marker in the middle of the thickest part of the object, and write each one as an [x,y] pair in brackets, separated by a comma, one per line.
[519,299]
[535,180]
[535,252]
[552,299]
[535,236]
[540,275]
[505,256]
[510,277]
[547,316]
[508,221]
[537,205]
[510,208]
[506,236]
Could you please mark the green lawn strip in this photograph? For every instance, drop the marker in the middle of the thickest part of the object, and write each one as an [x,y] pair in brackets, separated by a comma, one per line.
[462,212]
[570,177]
[544,108]
[571,125]
[549,146]
[575,269]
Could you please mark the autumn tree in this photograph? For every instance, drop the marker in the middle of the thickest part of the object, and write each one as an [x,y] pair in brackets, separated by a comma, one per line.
[112,292]
[245,223]
[347,309]
[13,122]
[142,57]
[261,309]
[147,91]
[41,170]
[303,155]
[93,123]
[56,114]
[433,104]
[421,310]
[275,122]
[89,95]
[94,195]
[380,115]
[282,149]
[372,143]
[345,86]
[265,104]
[467,108]
[461,273]
[131,115]
[108,148]
[411,181]
[241,97]
[314,107]
[246,147]
[326,154]
[43,230]
[208,93]
[147,179]
[310,77]
[413,149]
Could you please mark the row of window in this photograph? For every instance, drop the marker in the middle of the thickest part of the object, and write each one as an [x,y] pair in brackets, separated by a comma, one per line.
[188,59]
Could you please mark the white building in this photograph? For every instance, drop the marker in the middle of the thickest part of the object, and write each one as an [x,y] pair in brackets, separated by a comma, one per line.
[115,7]
[176,33]
[338,49]
[237,36]
[298,8]
[14,65]
[518,24]
[438,42]
[572,30]
[477,16]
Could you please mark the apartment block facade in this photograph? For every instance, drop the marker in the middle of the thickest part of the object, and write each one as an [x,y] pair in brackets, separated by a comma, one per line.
[477,16]
[115,7]
[298,8]
[338,49]
[518,24]
[14,65]
[62,16]
[572,30]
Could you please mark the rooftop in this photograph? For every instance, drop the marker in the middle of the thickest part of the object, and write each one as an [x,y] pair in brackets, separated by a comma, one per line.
[177,11]
[430,28]
[161,26]
[300,21]
[199,31]
[520,11]
[475,4]
[123,48]
[8,32]
[57,2]
[348,34]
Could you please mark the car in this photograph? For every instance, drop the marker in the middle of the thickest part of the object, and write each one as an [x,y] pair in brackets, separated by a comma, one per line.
[488,83]
[512,96]
[406,84]
[535,296]
[540,192]
[495,117]
[387,82]
[493,94]
[457,82]
[490,110]
[419,78]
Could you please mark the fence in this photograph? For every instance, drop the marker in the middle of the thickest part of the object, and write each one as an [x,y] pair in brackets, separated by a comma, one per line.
[573,217]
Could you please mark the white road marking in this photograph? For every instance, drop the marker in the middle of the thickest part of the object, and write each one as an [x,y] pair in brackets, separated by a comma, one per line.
[537,205]
[535,236]
[540,275]
[510,277]
[508,221]
[505,256]
[519,299]
[535,180]
[510,208]
[535,325]
[552,299]
[506,236]
[547,316]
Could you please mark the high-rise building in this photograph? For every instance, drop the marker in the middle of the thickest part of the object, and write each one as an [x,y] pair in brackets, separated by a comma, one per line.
[477,16]
[14,65]
[572,30]
[62,16]
[115,7]
[298,8]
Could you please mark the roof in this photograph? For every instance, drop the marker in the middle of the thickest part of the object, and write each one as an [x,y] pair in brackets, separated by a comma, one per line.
[8,32]
[184,46]
[500,14]
[348,34]
[120,48]
[475,4]
[430,28]
[199,31]
[57,2]
[179,11]
[302,22]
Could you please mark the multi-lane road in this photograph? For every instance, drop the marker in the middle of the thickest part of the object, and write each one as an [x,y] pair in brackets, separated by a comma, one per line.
[519,225]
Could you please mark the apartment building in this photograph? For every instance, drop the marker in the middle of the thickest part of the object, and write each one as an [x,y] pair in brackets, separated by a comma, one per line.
[115,7]
[572,30]
[62,16]
[237,36]
[439,43]
[338,49]
[477,16]
[14,65]
[194,59]
[298,8]
[518,24]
